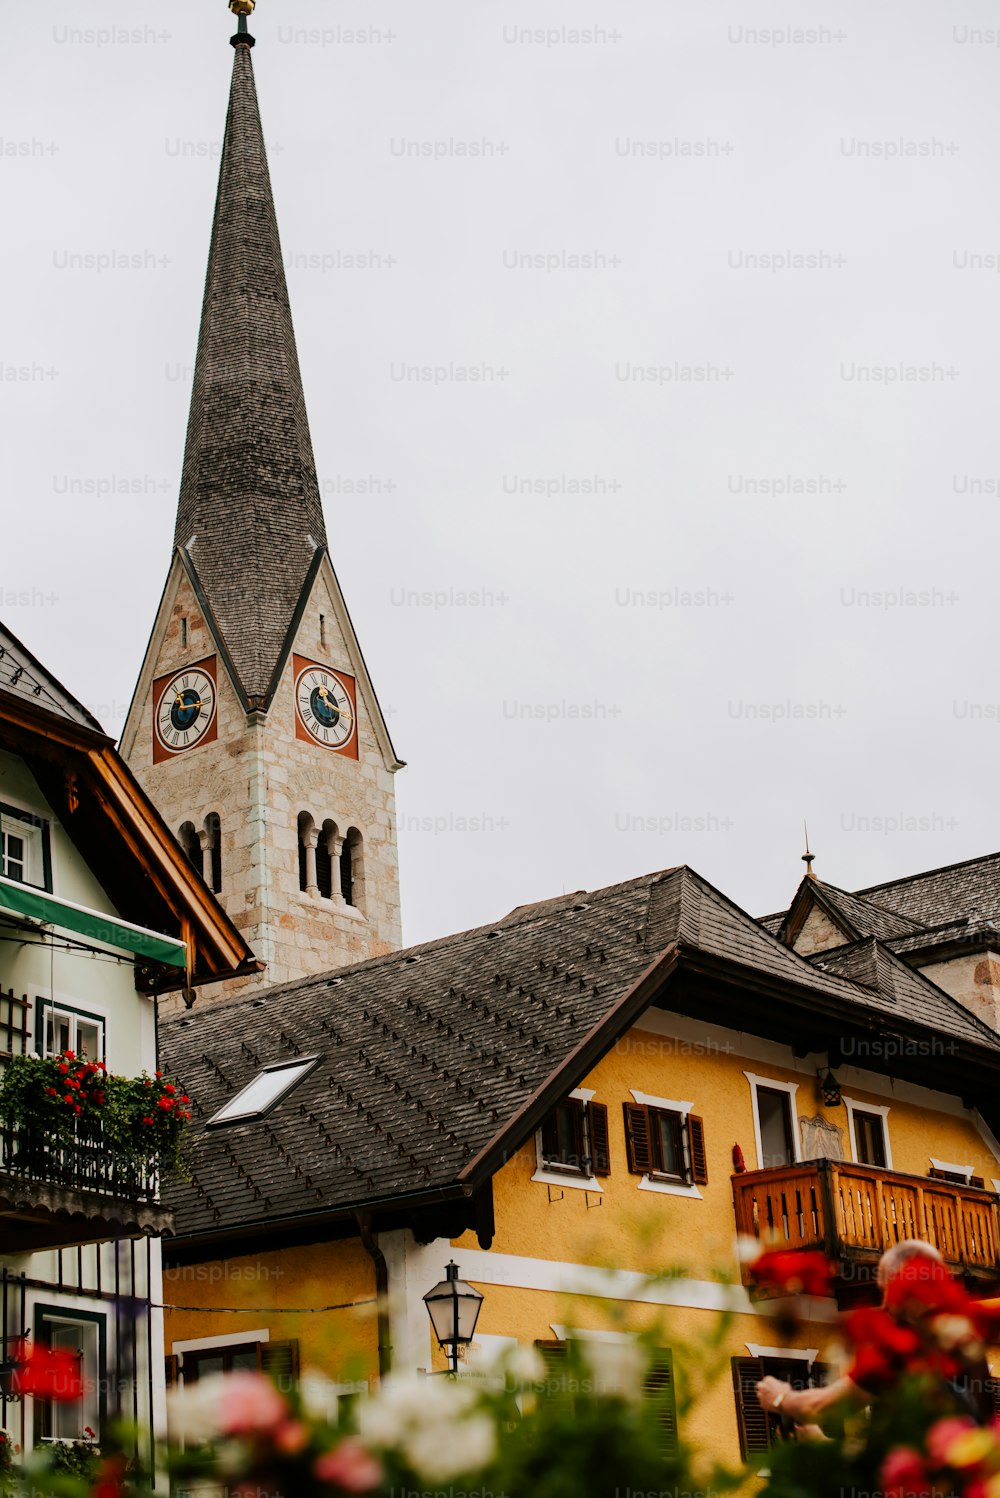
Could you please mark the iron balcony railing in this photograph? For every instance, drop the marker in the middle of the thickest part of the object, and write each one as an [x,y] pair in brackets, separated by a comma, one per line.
[855,1212]
[85,1164]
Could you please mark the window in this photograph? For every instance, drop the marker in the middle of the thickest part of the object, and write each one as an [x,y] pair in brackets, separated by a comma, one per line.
[666,1144]
[24,848]
[352,869]
[191,843]
[67,1029]
[759,1430]
[324,860]
[567,1372]
[574,1138]
[212,866]
[279,1360]
[868,1125]
[776,1142]
[84,1334]
[774,1121]
[265,1091]
[869,1134]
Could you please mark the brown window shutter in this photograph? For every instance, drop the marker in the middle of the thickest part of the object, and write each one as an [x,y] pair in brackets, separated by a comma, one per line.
[696,1143]
[600,1143]
[638,1139]
[754,1426]
[171,1366]
[280,1361]
[662,1394]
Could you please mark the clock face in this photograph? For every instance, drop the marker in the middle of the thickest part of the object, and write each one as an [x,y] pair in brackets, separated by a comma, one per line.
[185,710]
[324,706]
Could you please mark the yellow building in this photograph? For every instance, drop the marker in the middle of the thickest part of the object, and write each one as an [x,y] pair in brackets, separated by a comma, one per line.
[582,1105]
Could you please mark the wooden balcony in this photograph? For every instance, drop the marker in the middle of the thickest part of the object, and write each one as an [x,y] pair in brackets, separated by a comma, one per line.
[855,1212]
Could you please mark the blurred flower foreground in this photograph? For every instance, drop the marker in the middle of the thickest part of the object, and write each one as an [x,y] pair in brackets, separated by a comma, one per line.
[914,1417]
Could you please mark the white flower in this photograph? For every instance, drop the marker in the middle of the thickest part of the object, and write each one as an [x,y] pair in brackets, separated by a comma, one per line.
[408,1401]
[618,1368]
[524,1364]
[194,1410]
[438,1452]
[317,1394]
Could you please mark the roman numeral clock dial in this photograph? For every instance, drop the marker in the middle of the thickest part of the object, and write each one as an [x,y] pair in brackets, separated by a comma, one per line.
[325,707]
[184,711]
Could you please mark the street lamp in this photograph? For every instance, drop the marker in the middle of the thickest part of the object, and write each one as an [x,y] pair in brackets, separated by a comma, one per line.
[453,1307]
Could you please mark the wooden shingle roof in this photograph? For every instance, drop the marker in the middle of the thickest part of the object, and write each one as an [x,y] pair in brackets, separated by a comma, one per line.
[436,1062]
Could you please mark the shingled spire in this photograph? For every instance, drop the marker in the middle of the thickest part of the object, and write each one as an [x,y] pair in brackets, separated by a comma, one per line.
[249,518]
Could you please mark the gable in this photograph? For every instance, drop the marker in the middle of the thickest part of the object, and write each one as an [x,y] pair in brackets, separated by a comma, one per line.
[818,933]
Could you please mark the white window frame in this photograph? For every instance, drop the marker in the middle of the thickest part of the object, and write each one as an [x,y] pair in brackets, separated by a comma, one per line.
[576,1181]
[31,834]
[852,1103]
[775,1086]
[654,1183]
[298,1069]
[53,1007]
[92,1373]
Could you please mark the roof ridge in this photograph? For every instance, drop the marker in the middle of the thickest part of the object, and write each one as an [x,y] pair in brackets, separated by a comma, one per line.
[883,909]
[945,868]
[401,954]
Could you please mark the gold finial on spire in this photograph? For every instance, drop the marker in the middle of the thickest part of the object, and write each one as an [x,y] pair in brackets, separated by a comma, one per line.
[807,857]
[242,7]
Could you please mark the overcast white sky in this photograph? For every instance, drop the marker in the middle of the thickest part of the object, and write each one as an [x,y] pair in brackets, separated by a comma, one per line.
[603,710]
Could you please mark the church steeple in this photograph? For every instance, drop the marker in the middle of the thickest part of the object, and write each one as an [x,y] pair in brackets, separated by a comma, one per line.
[249,518]
[255,726]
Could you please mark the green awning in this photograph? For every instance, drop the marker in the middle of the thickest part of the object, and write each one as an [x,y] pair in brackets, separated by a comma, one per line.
[25,900]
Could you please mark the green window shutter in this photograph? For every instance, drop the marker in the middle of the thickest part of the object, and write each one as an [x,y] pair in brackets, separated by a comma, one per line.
[754,1426]
[556,1389]
[662,1394]
[638,1139]
[600,1143]
[280,1361]
[696,1143]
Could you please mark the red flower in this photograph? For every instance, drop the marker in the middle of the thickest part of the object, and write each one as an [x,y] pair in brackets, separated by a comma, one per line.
[923,1284]
[147,1120]
[165,1103]
[63,1068]
[882,1347]
[903,1472]
[47,1373]
[184,1098]
[51,1092]
[169,1087]
[793,1272]
[70,1055]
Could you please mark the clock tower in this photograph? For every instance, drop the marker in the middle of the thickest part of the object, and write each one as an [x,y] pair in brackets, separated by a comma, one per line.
[255,727]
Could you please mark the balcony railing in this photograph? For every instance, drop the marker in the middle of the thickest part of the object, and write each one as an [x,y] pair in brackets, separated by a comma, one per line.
[86,1164]
[855,1212]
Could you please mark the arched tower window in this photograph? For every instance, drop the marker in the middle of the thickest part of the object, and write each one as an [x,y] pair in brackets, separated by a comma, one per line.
[211,859]
[352,869]
[325,859]
[191,843]
[307,852]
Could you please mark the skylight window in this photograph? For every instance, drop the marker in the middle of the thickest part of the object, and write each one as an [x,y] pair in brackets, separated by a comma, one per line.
[264,1092]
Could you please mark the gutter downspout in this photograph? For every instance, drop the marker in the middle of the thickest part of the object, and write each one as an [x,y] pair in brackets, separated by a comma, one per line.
[369,1241]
